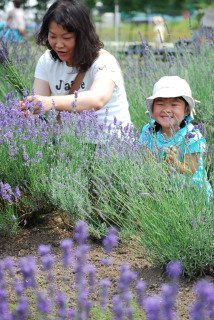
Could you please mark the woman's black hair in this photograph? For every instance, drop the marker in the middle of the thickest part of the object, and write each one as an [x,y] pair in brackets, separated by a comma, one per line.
[73,16]
[156,126]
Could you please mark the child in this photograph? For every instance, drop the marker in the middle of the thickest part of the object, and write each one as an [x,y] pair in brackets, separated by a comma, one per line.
[172,107]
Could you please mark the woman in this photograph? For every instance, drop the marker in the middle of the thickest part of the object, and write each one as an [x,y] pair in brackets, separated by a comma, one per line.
[74,49]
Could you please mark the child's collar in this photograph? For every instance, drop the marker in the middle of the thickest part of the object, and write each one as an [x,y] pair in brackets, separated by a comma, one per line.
[188,118]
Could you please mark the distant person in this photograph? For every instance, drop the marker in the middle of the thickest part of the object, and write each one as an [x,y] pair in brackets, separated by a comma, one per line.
[74,52]
[15,24]
[172,108]
[159,32]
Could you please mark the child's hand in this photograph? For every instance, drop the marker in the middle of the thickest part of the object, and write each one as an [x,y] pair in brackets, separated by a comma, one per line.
[172,155]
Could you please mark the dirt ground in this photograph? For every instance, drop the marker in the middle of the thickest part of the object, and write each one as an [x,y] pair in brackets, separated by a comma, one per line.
[52,230]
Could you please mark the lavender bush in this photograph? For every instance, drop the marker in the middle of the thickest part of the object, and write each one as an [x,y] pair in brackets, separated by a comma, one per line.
[35,295]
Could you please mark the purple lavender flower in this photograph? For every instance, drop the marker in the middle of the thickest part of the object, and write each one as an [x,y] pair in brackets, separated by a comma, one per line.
[61,301]
[199,127]
[43,304]
[44,249]
[72,314]
[17,193]
[126,278]
[115,121]
[189,135]
[2,275]
[83,304]
[79,267]
[6,192]
[174,269]
[75,94]
[106,261]
[48,261]
[140,287]
[38,154]
[168,301]
[81,232]
[203,306]
[111,240]
[9,265]
[104,283]
[4,308]
[18,287]
[66,245]
[152,307]
[25,93]
[22,309]
[91,270]
[4,54]
[28,269]
[117,308]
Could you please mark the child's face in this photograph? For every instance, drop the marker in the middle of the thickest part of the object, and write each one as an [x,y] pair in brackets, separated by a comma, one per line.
[169,112]
[62,42]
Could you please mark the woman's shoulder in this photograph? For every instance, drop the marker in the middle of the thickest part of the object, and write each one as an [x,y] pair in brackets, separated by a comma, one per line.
[46,56]
[104,56]
[46,59]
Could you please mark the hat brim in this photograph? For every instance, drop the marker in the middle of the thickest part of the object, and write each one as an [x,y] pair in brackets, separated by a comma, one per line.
[170,93]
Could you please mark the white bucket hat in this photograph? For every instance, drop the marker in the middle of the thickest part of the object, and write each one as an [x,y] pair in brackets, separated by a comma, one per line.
[169,87]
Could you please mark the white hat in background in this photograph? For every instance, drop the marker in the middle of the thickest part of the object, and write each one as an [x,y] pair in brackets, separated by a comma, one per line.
[170,87]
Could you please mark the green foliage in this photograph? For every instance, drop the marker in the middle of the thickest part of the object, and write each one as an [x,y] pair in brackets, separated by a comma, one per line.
[166,217]
[9,224]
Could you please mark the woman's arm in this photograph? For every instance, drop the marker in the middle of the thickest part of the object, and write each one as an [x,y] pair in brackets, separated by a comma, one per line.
[189,163]
[41,87]
[95,98]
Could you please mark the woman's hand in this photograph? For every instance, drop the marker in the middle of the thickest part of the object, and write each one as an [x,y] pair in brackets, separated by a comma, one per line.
[39,102]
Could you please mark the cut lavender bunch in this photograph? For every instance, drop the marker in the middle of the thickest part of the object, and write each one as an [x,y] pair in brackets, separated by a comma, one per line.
[9,71]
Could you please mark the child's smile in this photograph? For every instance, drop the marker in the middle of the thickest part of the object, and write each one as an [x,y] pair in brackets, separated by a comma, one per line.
[169,112]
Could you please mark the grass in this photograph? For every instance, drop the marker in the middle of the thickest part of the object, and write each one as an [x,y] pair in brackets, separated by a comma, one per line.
[128,32]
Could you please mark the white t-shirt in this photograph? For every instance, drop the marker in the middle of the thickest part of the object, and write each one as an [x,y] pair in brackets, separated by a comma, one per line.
[17,19]
[60,77]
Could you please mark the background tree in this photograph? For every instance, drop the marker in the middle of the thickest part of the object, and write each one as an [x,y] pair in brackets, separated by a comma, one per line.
[172,7]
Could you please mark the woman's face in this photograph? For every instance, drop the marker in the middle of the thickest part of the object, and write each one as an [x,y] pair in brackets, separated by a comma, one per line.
[62,42]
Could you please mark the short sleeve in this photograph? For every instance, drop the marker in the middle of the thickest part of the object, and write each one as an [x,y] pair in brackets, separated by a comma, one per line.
[144,135]
[106,65]
[196,146]
[41,71]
